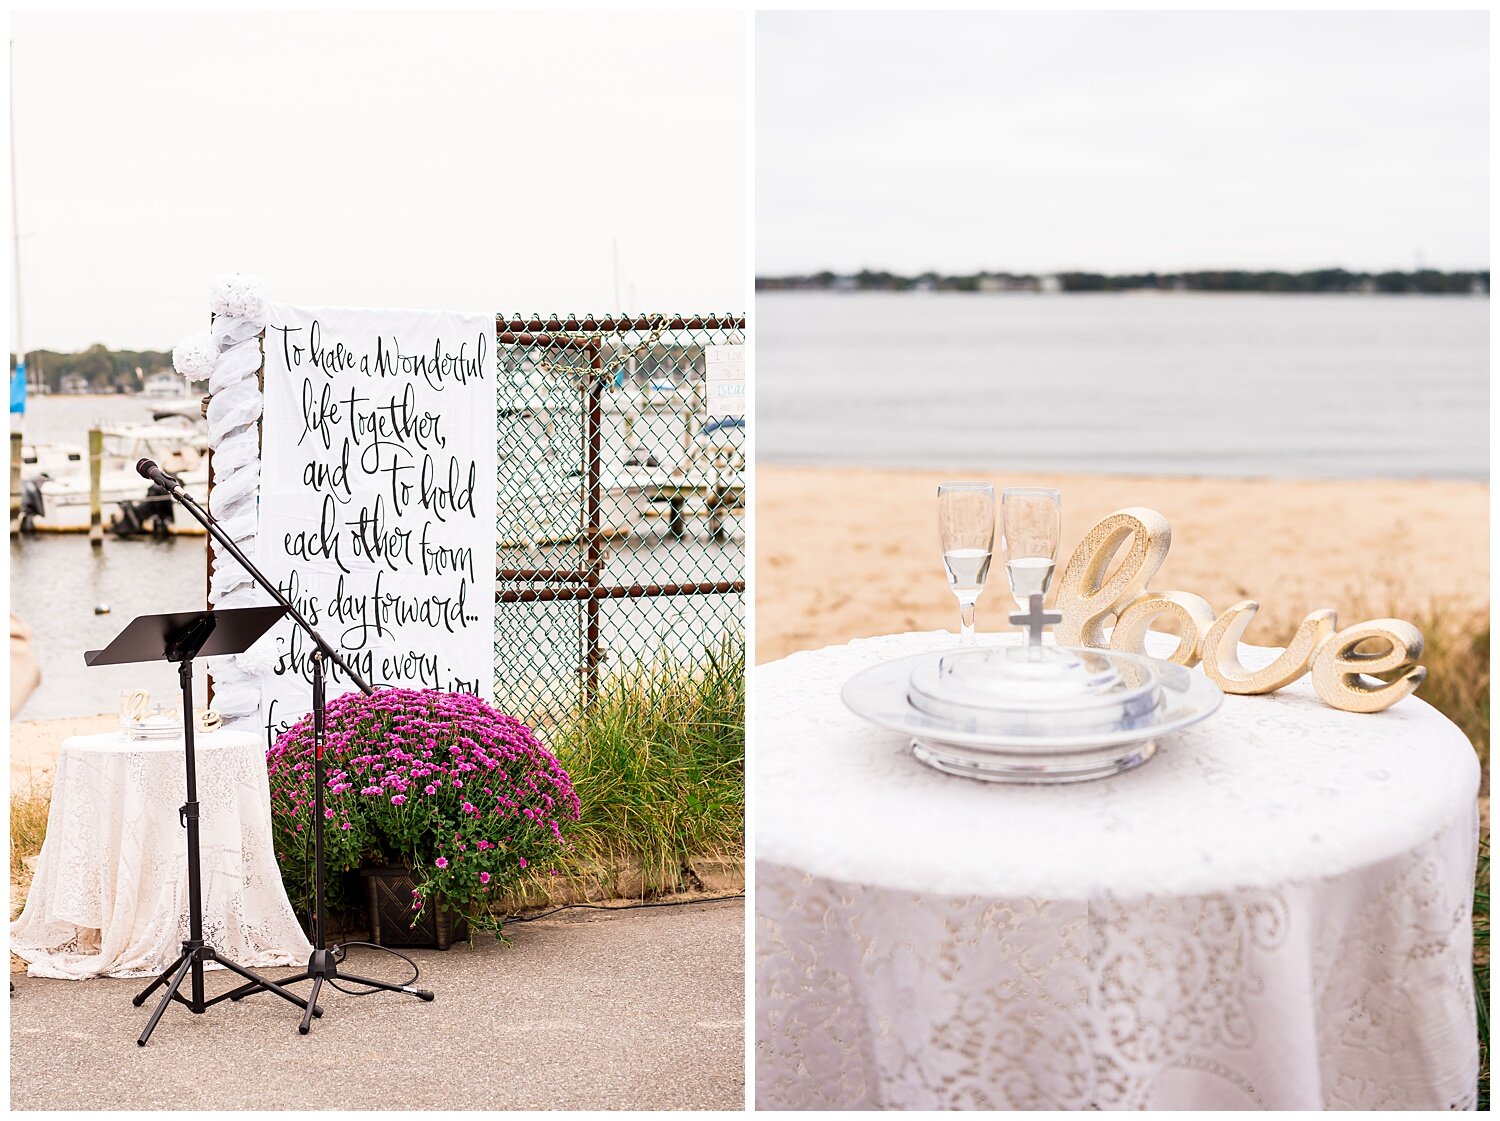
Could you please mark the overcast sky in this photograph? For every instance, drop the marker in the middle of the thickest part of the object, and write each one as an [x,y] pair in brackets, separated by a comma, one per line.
[1121,141]
[463,161]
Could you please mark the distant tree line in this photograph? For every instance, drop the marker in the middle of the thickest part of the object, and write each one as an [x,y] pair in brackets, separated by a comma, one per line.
[105,370]
[1424,281]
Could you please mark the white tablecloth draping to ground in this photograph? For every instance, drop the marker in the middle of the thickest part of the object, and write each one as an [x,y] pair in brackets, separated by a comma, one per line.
[1272,913]
[110,895]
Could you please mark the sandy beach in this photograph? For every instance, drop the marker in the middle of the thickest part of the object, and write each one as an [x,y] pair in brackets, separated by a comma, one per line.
[848,552]
[34,745]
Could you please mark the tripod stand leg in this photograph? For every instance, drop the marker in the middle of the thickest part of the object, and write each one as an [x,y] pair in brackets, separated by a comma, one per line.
[162,978]
[312,1004]
[251,987]
[272,986]
[182,971]
[385,985]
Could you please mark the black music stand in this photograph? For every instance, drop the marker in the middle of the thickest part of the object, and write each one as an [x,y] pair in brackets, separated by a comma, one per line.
[180,637]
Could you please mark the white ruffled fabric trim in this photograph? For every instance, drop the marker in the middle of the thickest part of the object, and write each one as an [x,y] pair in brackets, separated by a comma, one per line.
[239,305]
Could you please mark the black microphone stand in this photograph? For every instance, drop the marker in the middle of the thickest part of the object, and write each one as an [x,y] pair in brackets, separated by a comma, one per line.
[323,964]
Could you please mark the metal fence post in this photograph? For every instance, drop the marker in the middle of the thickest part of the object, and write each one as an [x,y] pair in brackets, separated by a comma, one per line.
[594,522]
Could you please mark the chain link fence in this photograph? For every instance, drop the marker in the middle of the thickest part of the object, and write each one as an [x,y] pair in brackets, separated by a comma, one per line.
[620,507]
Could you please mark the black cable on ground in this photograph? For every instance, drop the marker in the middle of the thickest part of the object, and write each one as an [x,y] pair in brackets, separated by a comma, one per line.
[341,951]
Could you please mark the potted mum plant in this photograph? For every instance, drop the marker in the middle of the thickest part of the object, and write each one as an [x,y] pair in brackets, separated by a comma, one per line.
[440,800]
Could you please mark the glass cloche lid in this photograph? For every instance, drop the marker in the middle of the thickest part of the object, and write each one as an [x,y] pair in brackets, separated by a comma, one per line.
[1034,689]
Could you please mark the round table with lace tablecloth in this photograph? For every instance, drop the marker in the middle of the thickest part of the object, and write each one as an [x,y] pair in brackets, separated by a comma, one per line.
[1274,912]
[110,894]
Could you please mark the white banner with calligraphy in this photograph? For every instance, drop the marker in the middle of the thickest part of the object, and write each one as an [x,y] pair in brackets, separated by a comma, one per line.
[377,506]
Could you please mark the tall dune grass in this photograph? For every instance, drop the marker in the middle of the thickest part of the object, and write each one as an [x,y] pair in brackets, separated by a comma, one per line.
[1457,656]
[28,829]
[658,763]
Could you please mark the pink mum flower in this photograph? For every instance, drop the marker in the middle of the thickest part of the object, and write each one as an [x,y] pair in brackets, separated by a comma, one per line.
[430,742]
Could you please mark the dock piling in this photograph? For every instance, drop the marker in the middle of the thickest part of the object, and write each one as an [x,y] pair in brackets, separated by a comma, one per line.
[15,482]
[96,464]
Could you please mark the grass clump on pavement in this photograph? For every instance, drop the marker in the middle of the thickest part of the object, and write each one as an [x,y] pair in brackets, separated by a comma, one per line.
[658,764]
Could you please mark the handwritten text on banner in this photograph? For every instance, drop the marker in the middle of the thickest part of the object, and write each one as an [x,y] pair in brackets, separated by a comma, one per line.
[377,515]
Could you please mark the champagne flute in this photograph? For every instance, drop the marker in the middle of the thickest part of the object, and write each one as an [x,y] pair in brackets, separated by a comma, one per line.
[966,529]
[1031,520]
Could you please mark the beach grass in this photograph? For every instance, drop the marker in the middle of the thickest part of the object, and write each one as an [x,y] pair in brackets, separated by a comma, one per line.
[1456,652]
[658,763]
[29,808]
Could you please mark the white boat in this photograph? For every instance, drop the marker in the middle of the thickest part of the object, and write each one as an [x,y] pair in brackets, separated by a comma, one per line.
[61,471]
[658,451]
[657,457]
[177,407]
[162,386]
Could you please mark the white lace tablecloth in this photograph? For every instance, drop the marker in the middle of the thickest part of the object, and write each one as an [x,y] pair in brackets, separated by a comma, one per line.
[1272,913]
[110,895]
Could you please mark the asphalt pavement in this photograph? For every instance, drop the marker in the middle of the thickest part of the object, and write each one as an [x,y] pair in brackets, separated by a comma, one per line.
[635,1009]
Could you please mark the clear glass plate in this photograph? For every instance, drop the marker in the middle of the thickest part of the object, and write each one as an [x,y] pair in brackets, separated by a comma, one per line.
[1107,727]
[151,728]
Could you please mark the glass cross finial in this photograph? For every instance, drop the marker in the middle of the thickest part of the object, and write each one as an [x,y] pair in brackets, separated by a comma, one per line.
[1035,619]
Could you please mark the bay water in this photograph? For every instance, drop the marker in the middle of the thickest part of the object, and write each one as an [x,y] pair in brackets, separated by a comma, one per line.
[1301,386]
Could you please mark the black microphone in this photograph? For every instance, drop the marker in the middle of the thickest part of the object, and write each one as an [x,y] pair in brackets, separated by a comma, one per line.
[146,469]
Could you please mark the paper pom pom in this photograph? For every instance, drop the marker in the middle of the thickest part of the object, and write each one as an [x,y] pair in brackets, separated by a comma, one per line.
[237,294]
[194,357]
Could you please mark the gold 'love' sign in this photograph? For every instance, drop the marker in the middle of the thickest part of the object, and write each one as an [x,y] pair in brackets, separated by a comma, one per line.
[1087,599]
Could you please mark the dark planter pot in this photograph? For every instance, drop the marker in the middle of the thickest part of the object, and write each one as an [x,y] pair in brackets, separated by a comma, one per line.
[388,890]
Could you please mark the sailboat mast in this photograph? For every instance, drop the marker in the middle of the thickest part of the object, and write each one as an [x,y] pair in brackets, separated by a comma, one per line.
[15,206]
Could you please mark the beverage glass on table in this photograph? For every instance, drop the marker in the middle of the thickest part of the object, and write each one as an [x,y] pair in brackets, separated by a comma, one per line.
[133,705]
[966,529]
[1031,526]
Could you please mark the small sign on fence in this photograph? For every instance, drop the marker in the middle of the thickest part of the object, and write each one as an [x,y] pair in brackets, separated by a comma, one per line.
[725,382]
